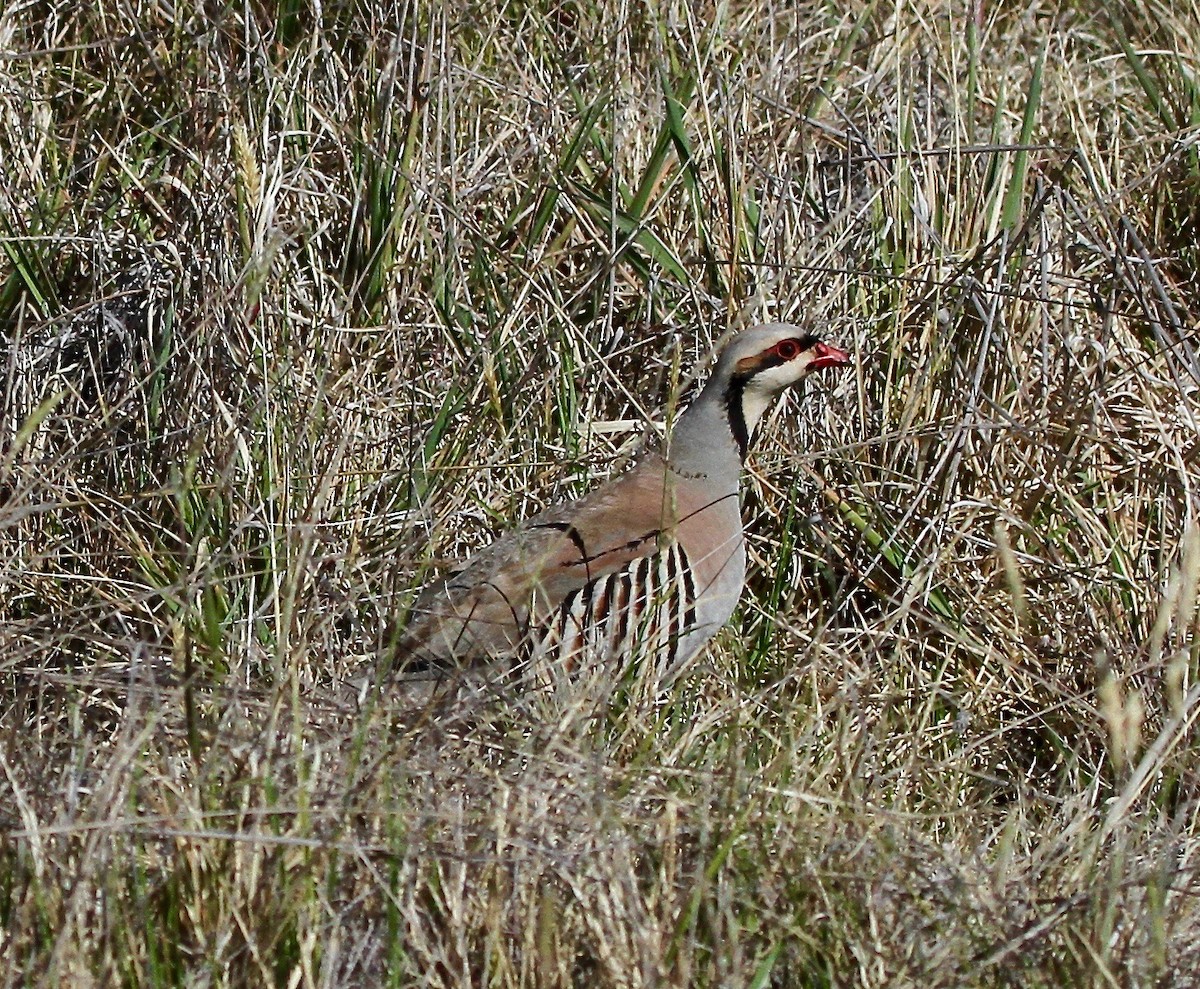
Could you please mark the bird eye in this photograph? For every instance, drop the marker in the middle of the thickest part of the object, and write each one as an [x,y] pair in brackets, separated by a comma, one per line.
[787,350]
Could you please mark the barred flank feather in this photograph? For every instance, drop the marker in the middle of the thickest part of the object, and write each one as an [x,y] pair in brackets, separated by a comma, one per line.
[641,611]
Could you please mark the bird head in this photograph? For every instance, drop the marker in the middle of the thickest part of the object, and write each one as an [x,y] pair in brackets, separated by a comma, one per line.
[759,364]
[755,367]
[768,359]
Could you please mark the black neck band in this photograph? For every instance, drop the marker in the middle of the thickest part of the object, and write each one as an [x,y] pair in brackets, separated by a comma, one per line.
[736,414]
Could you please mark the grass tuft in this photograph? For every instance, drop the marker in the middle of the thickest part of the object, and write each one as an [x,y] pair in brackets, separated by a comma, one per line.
[300,305]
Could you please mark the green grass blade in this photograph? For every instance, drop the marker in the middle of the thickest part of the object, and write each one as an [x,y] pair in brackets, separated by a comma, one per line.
[891,549]
[633,232]
[1010,215]
[1149,87]
[582,137]
[26,430]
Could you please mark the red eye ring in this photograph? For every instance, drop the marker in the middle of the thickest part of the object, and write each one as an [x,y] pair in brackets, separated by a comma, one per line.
[787,350]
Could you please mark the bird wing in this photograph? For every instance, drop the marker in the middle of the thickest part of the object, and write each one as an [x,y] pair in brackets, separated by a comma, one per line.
[489,608]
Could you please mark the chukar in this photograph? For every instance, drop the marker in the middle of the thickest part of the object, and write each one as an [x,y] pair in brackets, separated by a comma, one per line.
[650,564]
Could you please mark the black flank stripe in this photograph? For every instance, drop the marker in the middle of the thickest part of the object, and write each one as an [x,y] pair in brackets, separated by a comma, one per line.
[672,571]
[640,590]
[622,606]
[689,590]
[674,605]
[564,611]
[670,595]
[569,625]
[612,604]
[584,596]
[587,616]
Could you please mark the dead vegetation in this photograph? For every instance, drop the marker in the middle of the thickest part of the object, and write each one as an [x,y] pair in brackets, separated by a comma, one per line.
[431,269]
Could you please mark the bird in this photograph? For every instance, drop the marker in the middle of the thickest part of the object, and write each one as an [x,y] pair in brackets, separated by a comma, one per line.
[649,564]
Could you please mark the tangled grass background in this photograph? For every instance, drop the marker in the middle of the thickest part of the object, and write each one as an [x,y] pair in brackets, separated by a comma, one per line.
[302,302]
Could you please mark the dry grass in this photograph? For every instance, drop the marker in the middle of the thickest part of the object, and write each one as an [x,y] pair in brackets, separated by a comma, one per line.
[432,269]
